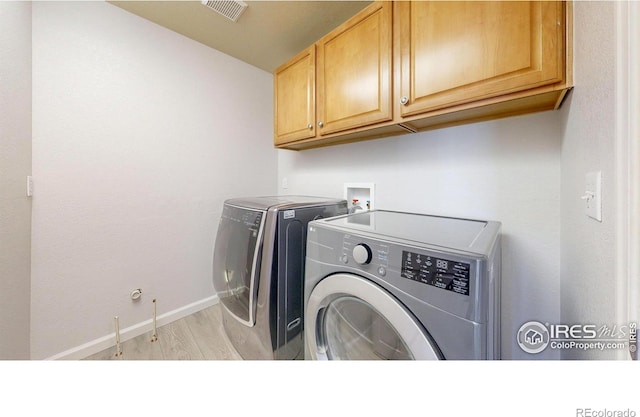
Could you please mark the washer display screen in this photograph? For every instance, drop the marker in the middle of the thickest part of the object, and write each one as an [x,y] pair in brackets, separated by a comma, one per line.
[442,273]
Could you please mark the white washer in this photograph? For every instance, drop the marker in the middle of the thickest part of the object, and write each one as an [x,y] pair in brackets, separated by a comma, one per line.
[391,285]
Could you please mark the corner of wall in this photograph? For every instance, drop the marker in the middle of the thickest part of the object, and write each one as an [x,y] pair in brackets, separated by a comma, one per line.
[15,163]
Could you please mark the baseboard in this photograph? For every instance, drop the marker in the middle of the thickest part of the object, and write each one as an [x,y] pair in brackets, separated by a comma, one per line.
[102,343]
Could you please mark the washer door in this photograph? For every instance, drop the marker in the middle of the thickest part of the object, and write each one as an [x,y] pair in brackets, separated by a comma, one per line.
[349,317]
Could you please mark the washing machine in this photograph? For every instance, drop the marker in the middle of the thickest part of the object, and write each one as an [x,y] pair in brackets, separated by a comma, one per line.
[392,285]
[258,271]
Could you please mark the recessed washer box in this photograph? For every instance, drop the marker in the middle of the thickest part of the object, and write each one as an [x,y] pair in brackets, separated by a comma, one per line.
[360,196]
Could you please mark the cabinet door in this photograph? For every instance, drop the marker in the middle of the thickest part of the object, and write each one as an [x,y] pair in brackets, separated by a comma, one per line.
[458,52]
[294,102]
[354,71]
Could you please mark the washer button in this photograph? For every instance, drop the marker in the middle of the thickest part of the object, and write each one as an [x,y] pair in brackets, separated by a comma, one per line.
[344,259]
[382,271]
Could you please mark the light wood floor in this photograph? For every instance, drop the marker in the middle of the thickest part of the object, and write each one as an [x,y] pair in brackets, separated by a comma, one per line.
[199,336]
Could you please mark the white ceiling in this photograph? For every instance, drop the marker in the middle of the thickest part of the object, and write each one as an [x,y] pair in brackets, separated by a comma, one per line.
[266,35]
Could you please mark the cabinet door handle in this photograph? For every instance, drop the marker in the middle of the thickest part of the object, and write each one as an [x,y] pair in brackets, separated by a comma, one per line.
[320,124]
[404,100]
[310,126]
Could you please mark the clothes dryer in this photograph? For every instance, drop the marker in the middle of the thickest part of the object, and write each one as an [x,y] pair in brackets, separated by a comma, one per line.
[392,285]
[258,271]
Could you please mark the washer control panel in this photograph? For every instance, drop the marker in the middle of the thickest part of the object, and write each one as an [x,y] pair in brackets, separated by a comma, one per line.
[374,253]
[438,272]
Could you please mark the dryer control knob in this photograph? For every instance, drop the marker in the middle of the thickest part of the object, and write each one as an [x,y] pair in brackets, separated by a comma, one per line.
[362,254]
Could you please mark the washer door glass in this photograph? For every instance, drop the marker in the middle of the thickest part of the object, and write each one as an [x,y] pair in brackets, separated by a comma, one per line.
[353,329]
[236,261]
[350,317]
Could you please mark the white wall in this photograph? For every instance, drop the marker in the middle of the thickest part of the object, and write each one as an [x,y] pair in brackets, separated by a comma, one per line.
[15,165]
[139,134]
[506,170]
[589,284]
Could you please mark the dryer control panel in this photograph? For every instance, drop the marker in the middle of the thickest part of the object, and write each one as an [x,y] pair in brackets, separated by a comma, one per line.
[438,272]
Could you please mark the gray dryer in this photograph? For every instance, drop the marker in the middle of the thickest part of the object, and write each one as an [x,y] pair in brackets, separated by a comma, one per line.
[258,271]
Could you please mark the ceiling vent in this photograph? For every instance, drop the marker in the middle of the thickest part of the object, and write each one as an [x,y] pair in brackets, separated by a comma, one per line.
[229,9]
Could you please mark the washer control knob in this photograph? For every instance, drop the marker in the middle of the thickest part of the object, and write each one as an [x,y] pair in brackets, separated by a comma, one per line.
[362,254]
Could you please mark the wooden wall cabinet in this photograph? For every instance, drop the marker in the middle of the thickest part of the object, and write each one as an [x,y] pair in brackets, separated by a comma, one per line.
[295,98]
[402,67]
[355,72]
[461,62]
[350,91]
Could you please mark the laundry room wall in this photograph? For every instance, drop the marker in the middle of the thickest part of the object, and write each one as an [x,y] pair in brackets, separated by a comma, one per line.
[139,134]
[15,165]
[591,292]
[506,170]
